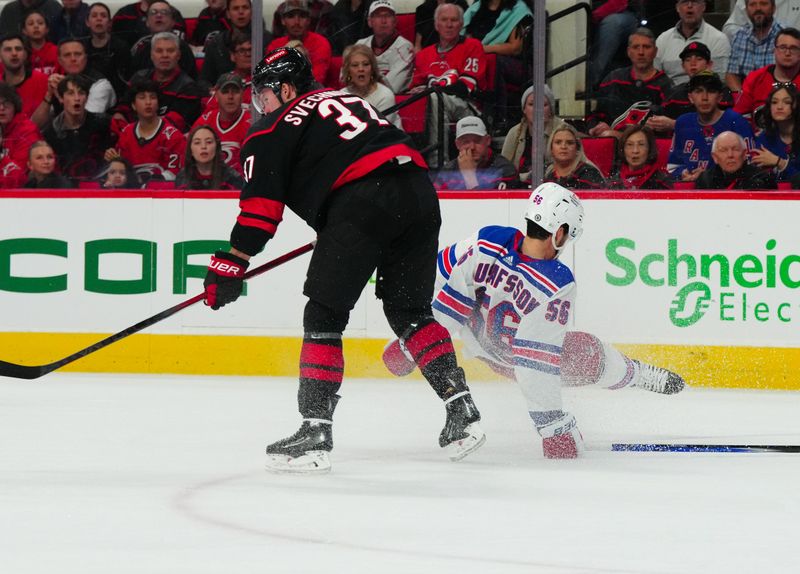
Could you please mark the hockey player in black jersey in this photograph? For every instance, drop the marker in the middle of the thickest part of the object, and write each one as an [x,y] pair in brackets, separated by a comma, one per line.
[356,180]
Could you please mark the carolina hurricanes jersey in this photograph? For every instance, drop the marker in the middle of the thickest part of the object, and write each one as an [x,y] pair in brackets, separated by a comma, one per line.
[691,142]
[299,154]
[230,136]
[466,57]
[508,309]
[159,156]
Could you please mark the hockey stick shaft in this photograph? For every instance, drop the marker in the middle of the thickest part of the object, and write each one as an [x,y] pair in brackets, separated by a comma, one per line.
[673,447]
[34,372]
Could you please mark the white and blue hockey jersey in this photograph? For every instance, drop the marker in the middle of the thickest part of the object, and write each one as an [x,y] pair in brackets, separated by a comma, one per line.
[508,309]
[691,141]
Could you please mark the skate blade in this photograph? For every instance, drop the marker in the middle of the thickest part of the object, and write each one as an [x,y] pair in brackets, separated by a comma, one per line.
[458,449]
[312,462]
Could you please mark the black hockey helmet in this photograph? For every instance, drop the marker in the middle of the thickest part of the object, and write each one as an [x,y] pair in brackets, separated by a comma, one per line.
[284,65]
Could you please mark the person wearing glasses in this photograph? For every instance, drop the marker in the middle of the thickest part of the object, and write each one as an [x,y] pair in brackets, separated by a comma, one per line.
[785,70]
[130,22]
[161,18]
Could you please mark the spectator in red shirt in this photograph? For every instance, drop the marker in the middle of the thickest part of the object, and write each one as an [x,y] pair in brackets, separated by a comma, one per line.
[228,118]
[152,145]
[29,84]
[296,18]
[44,55]
[19,132]
[786,69]
[11,173]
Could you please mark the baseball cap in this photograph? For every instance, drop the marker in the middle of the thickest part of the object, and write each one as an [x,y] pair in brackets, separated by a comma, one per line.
[381,4]
[706,79]
[230,79]
[294,6]
[470,125]
[697,49]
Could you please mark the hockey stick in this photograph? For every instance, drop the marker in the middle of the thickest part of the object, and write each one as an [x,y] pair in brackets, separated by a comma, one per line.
[34,372]
[670,447]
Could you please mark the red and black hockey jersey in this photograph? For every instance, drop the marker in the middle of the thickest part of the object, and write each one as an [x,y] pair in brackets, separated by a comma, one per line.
[466,57]
[301,153]
[160,156]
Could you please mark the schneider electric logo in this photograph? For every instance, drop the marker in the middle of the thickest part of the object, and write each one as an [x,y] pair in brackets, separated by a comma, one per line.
[725,284]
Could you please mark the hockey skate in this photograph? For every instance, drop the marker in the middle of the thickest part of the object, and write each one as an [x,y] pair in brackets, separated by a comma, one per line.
[305,452]
[657,380]
[461,434]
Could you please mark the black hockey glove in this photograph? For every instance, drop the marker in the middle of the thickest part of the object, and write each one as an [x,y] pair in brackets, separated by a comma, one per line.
[224,279]
[458,89]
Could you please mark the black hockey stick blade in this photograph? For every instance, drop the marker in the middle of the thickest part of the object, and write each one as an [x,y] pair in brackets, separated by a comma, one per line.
[670,447]
[34,372]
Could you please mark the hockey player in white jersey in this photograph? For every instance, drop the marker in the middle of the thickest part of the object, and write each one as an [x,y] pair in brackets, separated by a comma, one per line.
[509,299]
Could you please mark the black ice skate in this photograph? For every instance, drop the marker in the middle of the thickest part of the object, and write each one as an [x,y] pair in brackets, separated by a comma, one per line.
[306,451]
[657,380]
[461,434]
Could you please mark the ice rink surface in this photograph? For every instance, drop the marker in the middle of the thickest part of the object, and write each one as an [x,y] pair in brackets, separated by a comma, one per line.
[119,474]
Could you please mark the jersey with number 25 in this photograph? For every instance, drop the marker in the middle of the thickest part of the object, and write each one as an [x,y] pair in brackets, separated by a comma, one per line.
[507,308]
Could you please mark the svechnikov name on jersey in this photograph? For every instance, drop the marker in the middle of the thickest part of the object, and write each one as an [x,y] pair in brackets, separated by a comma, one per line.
[299,111]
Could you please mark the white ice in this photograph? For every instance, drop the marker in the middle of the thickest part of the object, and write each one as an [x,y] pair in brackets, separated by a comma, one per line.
[119,474]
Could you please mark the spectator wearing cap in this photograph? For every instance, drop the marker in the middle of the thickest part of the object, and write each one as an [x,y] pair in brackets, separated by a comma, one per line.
[518,143]
[130,22]
[625,87]
[19,132]
[79,137]
[394,54]
[319,12]
[752,47]
[296,18]
[218,48]
[730,169]
[161,18]
[690,153]
[228,118]
[13,14]
[181,97]
[785,70]
[30,84]
[690,29]
[695,58]
[477,166]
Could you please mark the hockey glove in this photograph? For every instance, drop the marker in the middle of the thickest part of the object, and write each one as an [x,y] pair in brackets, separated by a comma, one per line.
[458,89]
[224,279]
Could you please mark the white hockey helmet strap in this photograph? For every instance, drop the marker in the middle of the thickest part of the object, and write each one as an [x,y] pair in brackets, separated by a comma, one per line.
[550,206]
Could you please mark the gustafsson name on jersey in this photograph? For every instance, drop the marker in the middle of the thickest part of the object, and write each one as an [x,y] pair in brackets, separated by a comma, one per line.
[303,108]
[493,275]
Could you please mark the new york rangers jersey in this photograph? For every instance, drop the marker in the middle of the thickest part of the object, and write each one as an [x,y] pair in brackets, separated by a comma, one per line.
[510,310]
[691,142]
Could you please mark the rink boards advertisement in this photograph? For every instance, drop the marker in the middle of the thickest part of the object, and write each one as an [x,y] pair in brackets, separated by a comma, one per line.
[683,279]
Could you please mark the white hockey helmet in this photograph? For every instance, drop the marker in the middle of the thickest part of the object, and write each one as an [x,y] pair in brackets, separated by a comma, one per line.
[550,206]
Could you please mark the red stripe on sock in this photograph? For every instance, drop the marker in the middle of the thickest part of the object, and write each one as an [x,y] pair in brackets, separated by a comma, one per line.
[323,355]
[432,337]
[321,374]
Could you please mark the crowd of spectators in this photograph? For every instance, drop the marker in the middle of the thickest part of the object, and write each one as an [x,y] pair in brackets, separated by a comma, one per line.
[122,99]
